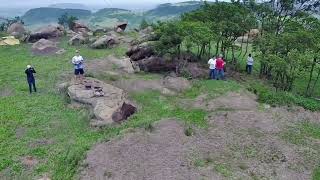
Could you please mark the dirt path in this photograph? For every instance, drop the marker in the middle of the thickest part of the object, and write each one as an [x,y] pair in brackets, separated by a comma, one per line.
[242,141]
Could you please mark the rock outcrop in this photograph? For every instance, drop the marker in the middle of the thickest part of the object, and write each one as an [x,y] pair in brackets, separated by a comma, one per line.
[156,64]
[106,101]
[121,27]
[140,52]
[80,28]
[47,32]
[44,47]
[78,40]
[17,30]
[105,42]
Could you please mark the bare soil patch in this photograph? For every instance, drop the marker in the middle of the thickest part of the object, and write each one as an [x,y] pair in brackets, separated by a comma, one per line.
[242,141]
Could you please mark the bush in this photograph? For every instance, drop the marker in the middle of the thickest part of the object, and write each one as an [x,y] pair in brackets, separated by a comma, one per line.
[273,98]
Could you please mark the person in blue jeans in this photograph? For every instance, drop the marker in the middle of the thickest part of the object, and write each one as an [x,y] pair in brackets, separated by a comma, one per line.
[249,64]
[212,68]
[30,78]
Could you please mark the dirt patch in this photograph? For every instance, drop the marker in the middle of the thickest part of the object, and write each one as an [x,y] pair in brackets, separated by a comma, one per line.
[29,162]
[242,141]
[41,142]
[167,85]
[6,92]
[231,101]
[161,154]
[111,66]
[20,132]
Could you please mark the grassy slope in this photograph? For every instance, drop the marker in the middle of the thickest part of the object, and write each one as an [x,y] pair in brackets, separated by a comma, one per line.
[45,116]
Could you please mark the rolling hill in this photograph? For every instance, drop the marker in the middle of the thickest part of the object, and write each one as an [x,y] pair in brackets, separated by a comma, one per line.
[50,15]
[69,6]
[108,17]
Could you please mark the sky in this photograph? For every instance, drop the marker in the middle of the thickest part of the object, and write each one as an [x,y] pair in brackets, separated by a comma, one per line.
[106,3]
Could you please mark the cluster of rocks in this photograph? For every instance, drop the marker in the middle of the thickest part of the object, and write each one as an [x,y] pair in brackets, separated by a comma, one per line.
[143,54]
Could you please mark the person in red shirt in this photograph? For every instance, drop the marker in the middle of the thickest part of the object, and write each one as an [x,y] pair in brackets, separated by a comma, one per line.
[220,68]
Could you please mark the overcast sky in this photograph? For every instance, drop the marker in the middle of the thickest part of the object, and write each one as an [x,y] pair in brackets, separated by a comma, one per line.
[107,3]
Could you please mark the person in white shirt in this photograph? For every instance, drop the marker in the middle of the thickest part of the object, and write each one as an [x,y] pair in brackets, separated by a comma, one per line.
[212,68]
[78,63]
[249,64]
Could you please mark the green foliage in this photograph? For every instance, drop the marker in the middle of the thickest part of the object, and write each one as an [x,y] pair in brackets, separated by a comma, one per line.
[281,98]
[67,21]
[170,38]
[144,24]
[5,25]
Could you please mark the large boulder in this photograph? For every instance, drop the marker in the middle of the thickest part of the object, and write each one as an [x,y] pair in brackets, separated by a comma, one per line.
[44,47]
[121,27]
[105,42]
[140,52]
[106,101]
[80,28]
[253,33]
[194,70]
[157,64]
[17,30]
[78,40]
[244,39]
[47,32]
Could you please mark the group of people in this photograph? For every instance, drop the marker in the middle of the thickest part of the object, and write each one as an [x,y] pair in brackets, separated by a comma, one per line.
[217,67]
[78,63]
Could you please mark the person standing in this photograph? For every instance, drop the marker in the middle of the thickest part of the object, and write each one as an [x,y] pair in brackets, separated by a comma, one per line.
[249,64]
[30,78]
[212,68]
[220,68]
[78,63]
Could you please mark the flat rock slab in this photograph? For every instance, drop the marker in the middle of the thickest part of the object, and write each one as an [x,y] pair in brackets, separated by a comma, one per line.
[105,99]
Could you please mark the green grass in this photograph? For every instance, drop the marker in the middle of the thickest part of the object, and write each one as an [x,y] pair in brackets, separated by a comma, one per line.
[211,88]
[45,116]
[269,96]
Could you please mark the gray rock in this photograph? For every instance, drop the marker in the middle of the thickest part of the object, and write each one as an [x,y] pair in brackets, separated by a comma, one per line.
[105,42]
[105,105]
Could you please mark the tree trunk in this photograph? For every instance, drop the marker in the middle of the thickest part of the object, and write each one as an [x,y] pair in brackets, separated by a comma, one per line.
[307,93]
[247,46]
[315,82]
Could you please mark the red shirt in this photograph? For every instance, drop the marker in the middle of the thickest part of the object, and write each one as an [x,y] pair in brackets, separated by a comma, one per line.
[220,63]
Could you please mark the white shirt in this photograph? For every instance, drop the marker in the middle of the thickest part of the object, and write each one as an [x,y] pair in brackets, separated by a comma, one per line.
[212,63]
[78,62]
[250,61]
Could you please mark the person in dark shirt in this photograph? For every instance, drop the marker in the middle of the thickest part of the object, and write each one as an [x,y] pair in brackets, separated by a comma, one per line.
[30,78]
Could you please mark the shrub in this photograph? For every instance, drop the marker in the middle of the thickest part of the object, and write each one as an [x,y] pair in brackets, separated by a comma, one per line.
[269,96]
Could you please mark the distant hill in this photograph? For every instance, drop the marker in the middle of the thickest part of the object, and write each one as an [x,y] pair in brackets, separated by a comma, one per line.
[108,17]
[69,6]
[175,9]
[48,15]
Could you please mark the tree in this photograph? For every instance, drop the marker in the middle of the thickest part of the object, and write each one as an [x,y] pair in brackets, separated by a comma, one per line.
[67,21]
[144,24]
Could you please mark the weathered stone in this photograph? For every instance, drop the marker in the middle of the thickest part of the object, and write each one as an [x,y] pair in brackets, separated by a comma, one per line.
[46,33]
[17,30]
[156,64]
[109,101]
[78,40]
[44,47]
[105,42]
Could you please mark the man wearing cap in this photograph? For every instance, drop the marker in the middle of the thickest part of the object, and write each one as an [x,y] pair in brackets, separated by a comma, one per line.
[30,78]
[78,61]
